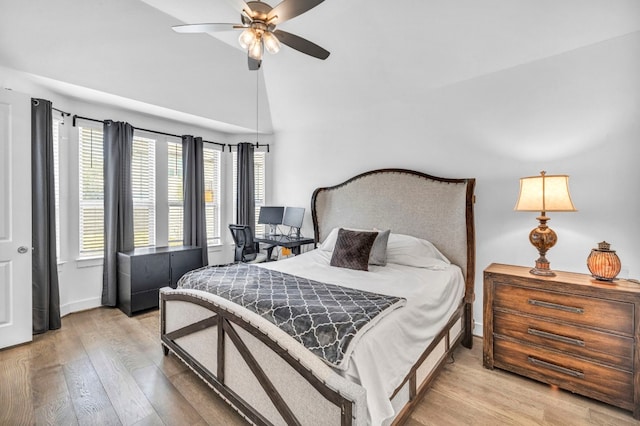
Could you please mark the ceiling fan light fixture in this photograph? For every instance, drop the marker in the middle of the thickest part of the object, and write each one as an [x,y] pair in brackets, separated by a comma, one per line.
[255,50]
[247,38]
[258,21]
[271,43]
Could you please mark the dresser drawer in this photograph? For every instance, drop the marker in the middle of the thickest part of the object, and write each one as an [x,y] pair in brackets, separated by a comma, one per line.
[587,378]
[598,313]
[599,346]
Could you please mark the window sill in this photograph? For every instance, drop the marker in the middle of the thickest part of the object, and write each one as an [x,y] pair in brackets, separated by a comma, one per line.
[89,262]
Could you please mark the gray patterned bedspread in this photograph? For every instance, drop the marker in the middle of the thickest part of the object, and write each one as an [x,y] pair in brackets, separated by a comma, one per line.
[325,318]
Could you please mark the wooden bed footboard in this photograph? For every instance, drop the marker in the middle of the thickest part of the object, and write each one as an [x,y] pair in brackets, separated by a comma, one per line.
[269,383]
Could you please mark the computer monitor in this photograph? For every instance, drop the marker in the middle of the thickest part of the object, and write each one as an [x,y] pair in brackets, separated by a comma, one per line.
[272,216]
[293,217]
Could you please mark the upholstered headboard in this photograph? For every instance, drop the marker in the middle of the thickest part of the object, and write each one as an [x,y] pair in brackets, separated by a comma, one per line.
[436,209]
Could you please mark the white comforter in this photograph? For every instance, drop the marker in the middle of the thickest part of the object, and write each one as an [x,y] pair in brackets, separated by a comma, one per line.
[384,355]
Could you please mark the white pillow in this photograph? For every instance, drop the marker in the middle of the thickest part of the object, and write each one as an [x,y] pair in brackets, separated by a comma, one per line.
[330,242]
[378,254]
[416,252]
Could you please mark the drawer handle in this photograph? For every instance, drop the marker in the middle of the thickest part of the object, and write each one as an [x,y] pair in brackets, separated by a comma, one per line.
[557,337]
[554,367]
[550,305]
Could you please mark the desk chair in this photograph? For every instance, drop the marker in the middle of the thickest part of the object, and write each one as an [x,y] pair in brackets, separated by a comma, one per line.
[247,250]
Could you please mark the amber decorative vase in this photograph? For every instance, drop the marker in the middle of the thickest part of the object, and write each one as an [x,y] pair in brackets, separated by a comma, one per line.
[603,263]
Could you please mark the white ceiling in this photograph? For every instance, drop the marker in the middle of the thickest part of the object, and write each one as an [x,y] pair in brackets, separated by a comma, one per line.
[381,52]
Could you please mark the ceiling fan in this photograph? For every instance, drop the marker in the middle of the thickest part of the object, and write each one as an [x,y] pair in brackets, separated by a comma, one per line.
[259,22]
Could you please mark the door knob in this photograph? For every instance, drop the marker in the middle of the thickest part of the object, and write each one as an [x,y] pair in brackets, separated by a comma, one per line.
[22,249]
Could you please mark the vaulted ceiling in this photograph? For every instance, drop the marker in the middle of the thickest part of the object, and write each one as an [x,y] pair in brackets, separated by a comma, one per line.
[381,52]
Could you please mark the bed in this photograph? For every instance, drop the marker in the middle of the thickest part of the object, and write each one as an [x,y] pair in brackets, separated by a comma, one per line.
[271,378]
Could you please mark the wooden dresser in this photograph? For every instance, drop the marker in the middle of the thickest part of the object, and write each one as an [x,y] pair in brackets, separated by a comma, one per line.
[570,330]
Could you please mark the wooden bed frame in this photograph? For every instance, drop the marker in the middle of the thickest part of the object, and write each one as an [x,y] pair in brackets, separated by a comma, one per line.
[271,379]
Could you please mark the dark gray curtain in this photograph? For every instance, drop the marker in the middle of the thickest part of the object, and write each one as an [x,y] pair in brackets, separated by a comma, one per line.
[118,203]
[245,204]
[46,293]
[194,222]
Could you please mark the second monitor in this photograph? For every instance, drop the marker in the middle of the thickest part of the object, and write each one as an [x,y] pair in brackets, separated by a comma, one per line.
[293,216]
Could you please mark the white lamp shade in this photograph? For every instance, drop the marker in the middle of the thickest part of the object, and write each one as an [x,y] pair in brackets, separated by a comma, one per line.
[247,38]
[545,194]
[255,50]
[271,43]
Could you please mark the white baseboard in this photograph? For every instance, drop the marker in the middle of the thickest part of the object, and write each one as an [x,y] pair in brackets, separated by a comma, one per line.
[477,329]
[80,305]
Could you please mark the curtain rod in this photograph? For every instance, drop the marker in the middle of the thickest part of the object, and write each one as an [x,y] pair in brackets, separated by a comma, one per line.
[257,145]
[144,130]
[64,113]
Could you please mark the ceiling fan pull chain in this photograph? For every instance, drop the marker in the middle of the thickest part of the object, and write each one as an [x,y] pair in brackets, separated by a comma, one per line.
[257,108]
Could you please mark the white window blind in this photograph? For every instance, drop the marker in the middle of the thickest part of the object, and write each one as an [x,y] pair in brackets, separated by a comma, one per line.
[259,173]
[212,193]
[91,191]
[56,177]
[175,194]
[143,189]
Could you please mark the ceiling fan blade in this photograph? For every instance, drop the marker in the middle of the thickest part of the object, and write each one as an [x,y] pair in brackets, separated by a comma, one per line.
[205,28]
[254,65]
[301,44]
[288,9]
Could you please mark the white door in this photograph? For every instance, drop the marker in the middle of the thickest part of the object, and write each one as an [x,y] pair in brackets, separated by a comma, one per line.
[15,218]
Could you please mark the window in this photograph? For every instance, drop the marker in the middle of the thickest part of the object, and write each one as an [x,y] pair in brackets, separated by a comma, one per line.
[156,207]
[92,191]
[259,161]
[57,121]
[260,186]
[212,193]
[175,195]
[143,189]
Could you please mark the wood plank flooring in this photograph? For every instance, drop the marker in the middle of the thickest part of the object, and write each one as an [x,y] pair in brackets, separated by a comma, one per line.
[103,368]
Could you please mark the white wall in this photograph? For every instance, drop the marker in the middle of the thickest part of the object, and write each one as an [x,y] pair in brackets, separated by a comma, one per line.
[575,113]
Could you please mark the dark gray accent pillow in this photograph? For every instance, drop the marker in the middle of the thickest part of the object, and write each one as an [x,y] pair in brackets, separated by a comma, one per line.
[352,249]
[378,255]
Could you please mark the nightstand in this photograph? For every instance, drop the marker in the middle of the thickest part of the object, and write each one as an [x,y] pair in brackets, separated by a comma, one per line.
[570,330]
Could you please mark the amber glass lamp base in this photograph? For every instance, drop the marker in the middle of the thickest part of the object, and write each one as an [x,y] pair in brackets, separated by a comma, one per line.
[543,238]
[542,269]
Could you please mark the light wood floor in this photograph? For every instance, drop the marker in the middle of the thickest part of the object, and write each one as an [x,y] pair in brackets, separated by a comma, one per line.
[103,368]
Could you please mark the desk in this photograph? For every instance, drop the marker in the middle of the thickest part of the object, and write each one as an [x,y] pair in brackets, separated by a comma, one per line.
[291,242]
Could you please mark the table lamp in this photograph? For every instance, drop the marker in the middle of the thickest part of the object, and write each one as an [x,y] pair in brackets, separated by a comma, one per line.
[544,194]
